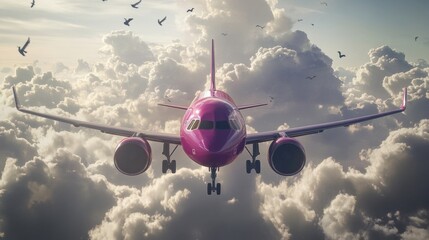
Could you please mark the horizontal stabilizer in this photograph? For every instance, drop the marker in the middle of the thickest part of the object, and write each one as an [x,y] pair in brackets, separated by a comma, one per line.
[251,106]
[173,106]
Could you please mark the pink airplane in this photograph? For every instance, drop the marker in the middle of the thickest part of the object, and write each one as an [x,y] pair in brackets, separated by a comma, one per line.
[212,133]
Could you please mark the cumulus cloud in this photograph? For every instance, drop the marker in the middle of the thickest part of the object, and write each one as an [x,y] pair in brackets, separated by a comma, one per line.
[53,171]
[382,201]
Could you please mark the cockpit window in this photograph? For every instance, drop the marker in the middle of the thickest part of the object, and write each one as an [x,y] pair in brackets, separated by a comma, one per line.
[234,124]
[190,124]
[222,125]
[195,125]
[206,124]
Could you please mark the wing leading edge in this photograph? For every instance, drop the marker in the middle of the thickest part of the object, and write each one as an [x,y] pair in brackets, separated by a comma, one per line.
[125,132]
[317,128]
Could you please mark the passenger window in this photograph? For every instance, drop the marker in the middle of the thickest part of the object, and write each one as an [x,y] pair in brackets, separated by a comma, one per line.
[222,125]
[206,125]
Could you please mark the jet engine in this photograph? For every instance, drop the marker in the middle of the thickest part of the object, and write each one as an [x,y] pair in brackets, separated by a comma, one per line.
[133,156]
[286,156]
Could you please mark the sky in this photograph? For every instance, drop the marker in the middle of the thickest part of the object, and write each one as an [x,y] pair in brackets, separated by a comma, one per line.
[367,181]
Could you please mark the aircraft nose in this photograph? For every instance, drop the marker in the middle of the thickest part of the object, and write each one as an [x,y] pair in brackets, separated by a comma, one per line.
[215,141]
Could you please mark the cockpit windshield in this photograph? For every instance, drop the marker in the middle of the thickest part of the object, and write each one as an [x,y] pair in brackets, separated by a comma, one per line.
[207,125]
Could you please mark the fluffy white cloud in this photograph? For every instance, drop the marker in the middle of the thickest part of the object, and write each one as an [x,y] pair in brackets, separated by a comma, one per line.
[349,204]
[53,171]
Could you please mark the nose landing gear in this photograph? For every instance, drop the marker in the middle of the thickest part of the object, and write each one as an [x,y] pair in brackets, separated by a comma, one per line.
[213,186]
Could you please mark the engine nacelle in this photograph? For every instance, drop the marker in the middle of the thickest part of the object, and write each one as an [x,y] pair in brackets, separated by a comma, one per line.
[133,156]
[286,156]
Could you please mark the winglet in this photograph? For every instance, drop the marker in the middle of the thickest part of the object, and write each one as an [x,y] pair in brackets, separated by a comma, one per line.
[404,99]
[213,71]
[18,106]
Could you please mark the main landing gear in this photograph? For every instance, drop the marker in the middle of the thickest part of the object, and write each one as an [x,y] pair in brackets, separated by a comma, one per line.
[213,186]
[254,164]
[168,164]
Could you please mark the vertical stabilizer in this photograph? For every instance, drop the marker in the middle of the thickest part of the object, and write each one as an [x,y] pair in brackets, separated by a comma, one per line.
[213,71]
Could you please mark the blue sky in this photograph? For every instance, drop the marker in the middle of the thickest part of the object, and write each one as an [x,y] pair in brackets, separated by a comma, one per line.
[367,181]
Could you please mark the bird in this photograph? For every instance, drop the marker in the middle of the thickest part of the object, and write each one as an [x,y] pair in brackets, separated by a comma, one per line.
[134,5]
[32,3]
[324,3]
[190,10]
[127,21]
[415,38]
[341,55]
[161,21]
[259,26]
[312,24]
[310,77]
[224,34]
[300,20]
[22,49]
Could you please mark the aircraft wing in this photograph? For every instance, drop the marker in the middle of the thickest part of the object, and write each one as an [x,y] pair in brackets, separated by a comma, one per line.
[317,128]
[126,132]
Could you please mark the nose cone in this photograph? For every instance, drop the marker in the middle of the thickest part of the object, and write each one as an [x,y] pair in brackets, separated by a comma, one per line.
[215,141]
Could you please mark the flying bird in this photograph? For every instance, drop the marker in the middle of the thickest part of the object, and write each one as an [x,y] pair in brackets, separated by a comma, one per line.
[310,77]
[224,34]
[134,5]
[190,10]
[415,38]
[341,55]
[324,3]
[161,21]
[300,20]
[22,49]
[32,3]
[127,21]
[259,26]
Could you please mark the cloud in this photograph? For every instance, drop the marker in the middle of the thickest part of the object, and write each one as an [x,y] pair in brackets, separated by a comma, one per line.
[57,201]
[353,204]
[126,47]
[54,171]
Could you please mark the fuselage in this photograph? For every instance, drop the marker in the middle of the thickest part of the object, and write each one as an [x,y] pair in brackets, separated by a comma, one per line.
[213,130]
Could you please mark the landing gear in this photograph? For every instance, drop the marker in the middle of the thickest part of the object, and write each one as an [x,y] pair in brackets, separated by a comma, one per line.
[213,186]
[254,164]
[168,164]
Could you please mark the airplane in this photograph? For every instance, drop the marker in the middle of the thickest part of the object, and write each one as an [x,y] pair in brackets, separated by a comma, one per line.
[212,134]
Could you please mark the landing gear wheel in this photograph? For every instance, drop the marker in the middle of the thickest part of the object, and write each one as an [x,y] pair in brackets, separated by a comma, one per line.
[168,164]
[164,166]
[253,164]
[213,186]
[258,166]
[173,166]
[248,166]
[209,188]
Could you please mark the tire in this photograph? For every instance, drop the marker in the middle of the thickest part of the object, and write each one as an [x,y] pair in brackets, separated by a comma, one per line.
[258,166]
[173,166]
[209,188]
[248,166]
[164,166]
[218,188]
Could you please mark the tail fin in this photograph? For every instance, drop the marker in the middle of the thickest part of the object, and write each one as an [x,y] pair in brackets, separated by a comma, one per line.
[213,71]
